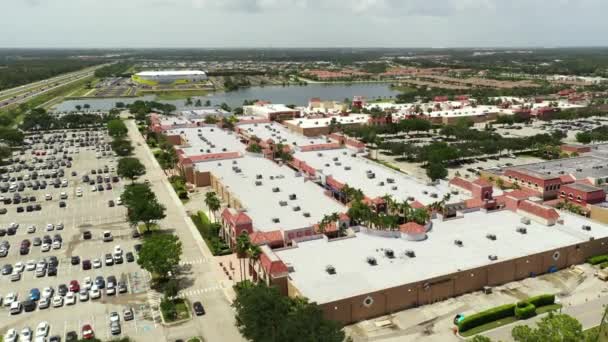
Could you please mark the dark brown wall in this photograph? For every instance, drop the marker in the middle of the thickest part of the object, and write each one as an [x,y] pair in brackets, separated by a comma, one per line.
[403,297]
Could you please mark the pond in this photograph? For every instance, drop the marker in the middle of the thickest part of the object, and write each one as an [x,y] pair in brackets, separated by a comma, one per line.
[298,95]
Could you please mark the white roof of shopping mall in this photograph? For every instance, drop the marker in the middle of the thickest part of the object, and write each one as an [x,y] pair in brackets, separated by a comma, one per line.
[201,113]
[279,133]
[216,140]
[262,203]
[356,176]
[437,255]
[171,73]
[324,122]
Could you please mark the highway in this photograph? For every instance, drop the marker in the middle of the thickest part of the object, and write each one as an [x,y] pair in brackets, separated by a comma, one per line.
[26,92]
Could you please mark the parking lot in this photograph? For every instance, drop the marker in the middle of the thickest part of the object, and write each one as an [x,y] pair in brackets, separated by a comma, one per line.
[86,210]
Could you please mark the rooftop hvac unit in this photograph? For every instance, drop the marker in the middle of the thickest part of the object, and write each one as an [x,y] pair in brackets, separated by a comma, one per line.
[212,130]
[271,177]
[292,197]
[424,192]
[282,203]
[371,175]
[208,151]
[319,154]
[389,253]
[202,150]
[347,168]
[258,183]
[372,261]
[525,220]
[338,164]
[522,230]
[258,176]
[492,257]
[380,183]
[344,153]
[390,180]
[234,162]
[276,220]
[458,243]
[330,269]
[587,228]
[394,187]
[335,159]
[410,198]
[326,165]
[296,208]
[434,195]
[224,149]
[237,170]
[306,214]
[491,237]
[410,253]
[276,189]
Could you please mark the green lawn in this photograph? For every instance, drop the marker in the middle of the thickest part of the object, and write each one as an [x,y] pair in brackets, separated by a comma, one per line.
[592,334]
[488,326]
[168,95]
[547,308]
[153,228]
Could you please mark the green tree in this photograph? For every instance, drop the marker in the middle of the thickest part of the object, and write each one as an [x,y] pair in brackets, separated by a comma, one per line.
[480,338]
[13,137]
[5,152]
[130,168]
[147,212]
[242,246]
[198,103]
[160,254]
[122,147]
[136,192]
[551,328]
[436,171]
[213,203]
[117,128]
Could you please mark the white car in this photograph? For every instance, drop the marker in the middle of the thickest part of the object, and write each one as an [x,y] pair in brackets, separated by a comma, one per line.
[19,267]
[110,289]
[47,292]
[48,197]
[10,336]
[93,188]
[59,226]
[118,250]
[57,301]
[87,283]
[83,296]
[118,201]
[114,317]
[31,229]
[42,329]
[50,227]
[79,192]
[95,293]
[45,247]
[13,225]
[30,265]
[10,298]
[26,335]
[44,303]
[70,298]
[96,263]
[57,245]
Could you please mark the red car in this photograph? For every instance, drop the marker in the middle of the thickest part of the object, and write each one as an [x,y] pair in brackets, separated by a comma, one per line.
[74,286]
[87,332]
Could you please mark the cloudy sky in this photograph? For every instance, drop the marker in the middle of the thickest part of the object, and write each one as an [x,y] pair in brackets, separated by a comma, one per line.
[302,23]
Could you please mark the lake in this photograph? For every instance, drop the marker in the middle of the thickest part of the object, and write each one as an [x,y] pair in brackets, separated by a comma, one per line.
[298,95]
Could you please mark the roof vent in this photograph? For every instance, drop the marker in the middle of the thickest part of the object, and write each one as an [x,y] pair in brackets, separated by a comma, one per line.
[282,203]
[319,154]
[458,243]
[335,159]
[306,214]
[326,165]
[292,197]
[371,175]
[276,189]
[380,183]
[275,220]
[258,177]
[586,227]
[234,162]
[389,253]
[522,230]
[347,168]
[390,180]
[491,237]
[492,257]
[258,183]
[296,208]
[372,261]
[330,269]
[394,187]
[410,253]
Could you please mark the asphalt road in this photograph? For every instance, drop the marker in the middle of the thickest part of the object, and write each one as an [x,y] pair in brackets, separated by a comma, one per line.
[200,279]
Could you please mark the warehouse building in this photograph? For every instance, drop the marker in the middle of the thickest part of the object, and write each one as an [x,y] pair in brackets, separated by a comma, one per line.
[170,76]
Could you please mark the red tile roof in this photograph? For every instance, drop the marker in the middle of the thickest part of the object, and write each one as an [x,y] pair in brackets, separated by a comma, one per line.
[538,210]
[521,194]
[214,156]
[482,182]
[412,228]
[474,203]
[238,218]
[461,183]
[417,205]
[262,238]
[567,179]
[274,268]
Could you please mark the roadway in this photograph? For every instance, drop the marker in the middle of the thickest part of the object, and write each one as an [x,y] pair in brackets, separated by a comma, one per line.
[199,276]
[26,92]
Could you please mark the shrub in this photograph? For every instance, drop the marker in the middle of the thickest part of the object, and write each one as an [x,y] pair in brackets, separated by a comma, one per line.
[487,316]
[598,259]
[604,265]
[542,300]
[525,310]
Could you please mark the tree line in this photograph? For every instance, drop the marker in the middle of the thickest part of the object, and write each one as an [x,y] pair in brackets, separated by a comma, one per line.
[16,72]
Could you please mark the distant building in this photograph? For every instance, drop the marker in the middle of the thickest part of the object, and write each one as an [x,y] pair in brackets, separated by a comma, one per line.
[274,112]
[170,76]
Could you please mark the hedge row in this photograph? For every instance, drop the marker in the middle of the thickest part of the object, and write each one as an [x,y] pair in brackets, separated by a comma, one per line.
[541,300]
[487,316]
[525,310]
[598,259]
[522,310]
[604,265]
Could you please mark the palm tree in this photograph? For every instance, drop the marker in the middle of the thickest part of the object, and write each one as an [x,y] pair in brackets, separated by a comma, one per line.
[420,216]
[406,210]
[253,253]
[242,246]
[213,203]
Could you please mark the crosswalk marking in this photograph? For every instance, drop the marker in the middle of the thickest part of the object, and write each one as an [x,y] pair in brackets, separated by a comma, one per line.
[194,292]
[193,262]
